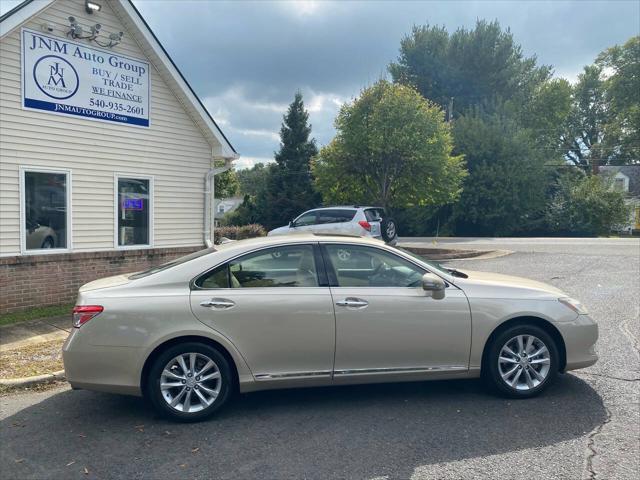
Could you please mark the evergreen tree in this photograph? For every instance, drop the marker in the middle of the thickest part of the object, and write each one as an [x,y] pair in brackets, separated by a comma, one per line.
[291,190]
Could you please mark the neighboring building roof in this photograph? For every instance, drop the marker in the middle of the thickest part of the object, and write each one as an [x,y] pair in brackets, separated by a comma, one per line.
[632,172]
[155,52]
[230,204]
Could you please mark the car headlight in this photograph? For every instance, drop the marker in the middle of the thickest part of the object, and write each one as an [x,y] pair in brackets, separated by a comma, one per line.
[574,305]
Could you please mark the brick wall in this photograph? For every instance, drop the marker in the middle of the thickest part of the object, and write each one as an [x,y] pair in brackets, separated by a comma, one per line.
[40,280]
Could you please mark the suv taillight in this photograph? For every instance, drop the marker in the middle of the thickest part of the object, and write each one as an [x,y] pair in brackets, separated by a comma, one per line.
[83,313]
[366,225]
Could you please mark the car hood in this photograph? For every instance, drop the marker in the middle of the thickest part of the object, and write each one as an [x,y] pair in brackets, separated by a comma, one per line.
[279,230]
[496,285]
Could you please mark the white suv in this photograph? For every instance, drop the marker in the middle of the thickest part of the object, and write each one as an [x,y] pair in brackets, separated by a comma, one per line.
[351,220]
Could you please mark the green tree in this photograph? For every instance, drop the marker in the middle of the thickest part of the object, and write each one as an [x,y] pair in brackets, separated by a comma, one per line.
[585,125]
[278,192]
[475,67]
[585,205]
[392,148]
[290,185]
[226,184]
[622,87]
[253,181]
[505,190]
[604,124]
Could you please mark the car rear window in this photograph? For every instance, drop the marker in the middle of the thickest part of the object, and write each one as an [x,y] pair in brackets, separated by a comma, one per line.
[173,263]
[374,214]
[335,216]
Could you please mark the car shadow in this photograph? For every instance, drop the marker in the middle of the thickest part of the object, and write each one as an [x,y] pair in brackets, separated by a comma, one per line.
[336,432]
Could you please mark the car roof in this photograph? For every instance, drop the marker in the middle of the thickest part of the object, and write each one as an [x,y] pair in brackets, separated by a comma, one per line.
[296,238]
[342,207]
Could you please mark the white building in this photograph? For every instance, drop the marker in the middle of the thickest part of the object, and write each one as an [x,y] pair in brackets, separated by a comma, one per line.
[106,153]
[626,179]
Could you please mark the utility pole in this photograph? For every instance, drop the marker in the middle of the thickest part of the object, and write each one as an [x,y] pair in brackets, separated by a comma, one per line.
[450,111]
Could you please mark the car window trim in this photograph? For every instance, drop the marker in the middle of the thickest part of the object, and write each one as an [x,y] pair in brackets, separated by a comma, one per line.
[333,278]
[321,279]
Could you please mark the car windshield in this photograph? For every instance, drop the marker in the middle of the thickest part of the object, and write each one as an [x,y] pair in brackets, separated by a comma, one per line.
[172,263]
[433,265]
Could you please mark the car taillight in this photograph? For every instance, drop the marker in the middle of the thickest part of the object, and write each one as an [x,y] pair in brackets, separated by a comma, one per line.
[83,313]
[366,225]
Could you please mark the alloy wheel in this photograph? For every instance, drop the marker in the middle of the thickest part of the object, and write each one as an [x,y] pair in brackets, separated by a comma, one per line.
[190,382]
[391,230]
[524,362]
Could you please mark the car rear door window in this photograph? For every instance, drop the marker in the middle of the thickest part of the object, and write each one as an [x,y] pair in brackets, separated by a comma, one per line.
[335,216]
[305,219]
[286,266]
[216,278]
[359,266]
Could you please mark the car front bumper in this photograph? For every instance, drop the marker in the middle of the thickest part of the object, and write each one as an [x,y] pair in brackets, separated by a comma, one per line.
[580,336]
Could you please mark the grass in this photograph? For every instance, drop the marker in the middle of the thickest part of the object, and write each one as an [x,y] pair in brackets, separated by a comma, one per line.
[34,313]
[30,360]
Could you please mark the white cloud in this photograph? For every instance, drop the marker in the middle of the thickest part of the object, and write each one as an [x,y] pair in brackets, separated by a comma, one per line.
[248,162]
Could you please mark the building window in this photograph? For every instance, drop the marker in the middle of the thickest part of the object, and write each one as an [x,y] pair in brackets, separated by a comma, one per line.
[133,223]
[619,184]
[220,208]
[46,207]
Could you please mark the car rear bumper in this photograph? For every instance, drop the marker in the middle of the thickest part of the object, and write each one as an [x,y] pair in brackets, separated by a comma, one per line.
[101,368]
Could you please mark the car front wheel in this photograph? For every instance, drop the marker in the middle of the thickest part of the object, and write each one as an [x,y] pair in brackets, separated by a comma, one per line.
[189,382]
[521,362]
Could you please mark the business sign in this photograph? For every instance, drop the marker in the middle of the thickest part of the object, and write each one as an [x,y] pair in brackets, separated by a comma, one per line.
[70,78]
[132,204]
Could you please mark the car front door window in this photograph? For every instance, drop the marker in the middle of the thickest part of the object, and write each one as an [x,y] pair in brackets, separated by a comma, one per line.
[358,266]
[305,220]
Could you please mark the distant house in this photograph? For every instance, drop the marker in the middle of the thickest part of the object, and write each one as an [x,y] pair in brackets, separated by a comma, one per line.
[626,179]
[222,206]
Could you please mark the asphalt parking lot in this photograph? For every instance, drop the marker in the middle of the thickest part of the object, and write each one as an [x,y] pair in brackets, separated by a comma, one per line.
[587,425]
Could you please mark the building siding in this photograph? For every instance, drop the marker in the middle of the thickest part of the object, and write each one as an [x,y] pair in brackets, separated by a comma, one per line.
[172,150]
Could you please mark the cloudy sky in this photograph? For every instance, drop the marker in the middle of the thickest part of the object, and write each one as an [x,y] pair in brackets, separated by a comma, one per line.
[246,59]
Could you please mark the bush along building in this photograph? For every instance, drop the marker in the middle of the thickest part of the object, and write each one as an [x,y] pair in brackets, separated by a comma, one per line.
[106,154]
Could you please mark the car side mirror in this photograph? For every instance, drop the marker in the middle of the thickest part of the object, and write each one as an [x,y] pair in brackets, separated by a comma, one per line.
[291,225]
[433,284]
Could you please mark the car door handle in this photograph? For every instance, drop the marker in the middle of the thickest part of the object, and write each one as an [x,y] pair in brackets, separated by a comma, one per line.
[218,303]
[352,302]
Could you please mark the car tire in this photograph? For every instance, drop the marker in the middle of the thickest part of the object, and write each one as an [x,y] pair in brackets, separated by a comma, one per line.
[206,393]
[389,230]
[510,373]
[48,243]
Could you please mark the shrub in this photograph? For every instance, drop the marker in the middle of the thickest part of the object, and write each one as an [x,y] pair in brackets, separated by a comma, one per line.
[585,205]
[238,232]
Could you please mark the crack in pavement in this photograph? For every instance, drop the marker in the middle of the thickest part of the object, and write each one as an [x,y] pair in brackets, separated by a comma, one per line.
[611,377]
[589,473]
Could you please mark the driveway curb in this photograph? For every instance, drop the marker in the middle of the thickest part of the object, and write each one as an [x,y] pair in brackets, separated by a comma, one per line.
[35,380]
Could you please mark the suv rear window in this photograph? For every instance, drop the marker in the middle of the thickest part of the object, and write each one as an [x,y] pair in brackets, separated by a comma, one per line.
[335,216]
[374,214]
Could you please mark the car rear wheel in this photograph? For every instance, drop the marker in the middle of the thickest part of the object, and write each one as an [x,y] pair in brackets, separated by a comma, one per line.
[521,362]
[48,243]
[189,382]
[389,230]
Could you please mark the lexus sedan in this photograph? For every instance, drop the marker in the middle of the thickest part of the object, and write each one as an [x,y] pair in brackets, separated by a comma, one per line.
[313,310]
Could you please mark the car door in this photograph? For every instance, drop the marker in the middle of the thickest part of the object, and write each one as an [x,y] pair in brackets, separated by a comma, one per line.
[275,307]
[386,323]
